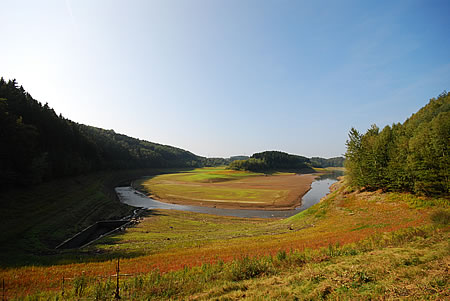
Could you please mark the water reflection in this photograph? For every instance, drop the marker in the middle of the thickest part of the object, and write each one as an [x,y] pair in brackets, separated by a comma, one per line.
[319,188]
[331,175]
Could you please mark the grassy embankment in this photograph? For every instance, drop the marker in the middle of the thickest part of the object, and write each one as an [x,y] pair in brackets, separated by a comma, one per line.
[228,188]
[36,219]
[349,245]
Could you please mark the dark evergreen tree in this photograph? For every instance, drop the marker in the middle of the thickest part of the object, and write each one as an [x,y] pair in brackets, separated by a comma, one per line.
[38,145]
[273,161]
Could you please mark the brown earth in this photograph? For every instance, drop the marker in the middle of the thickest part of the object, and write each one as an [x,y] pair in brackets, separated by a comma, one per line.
[297,186]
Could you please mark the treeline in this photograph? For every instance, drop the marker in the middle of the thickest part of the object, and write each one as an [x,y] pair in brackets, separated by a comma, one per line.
[38,145]
[412,157]
[331,162]
[119,151]
[208,162]
[272,161]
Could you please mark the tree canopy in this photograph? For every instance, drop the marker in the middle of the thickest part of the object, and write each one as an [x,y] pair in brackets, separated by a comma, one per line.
[331,162]
[272,161]
[413,156]
[38,145]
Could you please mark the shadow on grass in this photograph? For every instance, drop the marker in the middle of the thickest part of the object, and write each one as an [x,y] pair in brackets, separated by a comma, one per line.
[15,255]
[136,182]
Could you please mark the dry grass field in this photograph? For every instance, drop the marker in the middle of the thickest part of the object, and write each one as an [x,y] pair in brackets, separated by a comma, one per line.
[222,188]
[351,245]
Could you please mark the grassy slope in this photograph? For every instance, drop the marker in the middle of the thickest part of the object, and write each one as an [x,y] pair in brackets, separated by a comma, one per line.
[170,240]
[34,220]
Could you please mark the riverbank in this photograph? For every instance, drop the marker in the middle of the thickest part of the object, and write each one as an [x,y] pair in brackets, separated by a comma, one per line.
[170,240]
[319,188]
[34,220]
[229,189]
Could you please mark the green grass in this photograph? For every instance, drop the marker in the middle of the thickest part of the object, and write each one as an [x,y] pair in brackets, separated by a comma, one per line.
[329,169]
[405,264]
[418,202]
[208,174]
[183,186]
[349,246]
[169,230]
[213,193]
[36,219]
[441,216]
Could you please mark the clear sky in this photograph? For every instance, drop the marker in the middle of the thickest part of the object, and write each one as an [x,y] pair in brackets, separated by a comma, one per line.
[223,78]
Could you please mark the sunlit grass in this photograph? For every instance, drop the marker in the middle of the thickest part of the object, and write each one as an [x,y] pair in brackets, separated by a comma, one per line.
[208,174]
[170,241]
[215,193]
[211,185]
[406,263]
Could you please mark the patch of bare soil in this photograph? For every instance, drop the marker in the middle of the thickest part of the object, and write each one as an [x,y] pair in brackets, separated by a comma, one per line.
[296,185]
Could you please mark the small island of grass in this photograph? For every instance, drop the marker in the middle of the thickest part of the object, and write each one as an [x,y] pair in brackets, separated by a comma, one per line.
[225,188]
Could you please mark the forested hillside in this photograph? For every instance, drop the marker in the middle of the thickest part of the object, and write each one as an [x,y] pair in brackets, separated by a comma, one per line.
[272,161]
[38,145]
[413,156]
[331,162]
[209,162]
[121,151]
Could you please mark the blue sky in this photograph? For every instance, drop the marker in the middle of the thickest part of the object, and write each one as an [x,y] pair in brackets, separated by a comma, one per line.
[222,78]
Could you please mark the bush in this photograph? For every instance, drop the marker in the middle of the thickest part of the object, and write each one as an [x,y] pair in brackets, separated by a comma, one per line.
[248,268]
[441,216]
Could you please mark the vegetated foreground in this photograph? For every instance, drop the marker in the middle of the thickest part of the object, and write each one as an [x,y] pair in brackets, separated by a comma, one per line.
[223,188]
[373,244]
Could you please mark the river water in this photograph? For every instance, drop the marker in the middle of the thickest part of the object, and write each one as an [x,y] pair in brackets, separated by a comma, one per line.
[319,188]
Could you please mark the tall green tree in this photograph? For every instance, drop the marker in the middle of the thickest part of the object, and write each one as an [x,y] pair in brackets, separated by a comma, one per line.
[354,157]
[413,156]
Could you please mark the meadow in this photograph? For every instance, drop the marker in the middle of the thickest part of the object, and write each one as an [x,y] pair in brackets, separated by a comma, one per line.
[349,244]
[224,188]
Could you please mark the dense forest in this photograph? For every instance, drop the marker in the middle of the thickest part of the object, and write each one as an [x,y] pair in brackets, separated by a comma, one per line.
[413,156]
[38,145]
[272,161]
[331,162]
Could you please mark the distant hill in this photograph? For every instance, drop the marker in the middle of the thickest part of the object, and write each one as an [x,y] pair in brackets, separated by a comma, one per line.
[272,161]
[209,162]
[234,158]
[331,162]
[38,145]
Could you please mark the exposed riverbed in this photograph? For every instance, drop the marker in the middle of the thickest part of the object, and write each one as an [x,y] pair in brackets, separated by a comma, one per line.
[319,188]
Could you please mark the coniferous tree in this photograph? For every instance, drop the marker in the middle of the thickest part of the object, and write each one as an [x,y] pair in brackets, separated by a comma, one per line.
[38,145]
[413,156]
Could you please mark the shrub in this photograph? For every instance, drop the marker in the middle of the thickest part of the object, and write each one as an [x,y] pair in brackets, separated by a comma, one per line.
[441,216]
[247,268]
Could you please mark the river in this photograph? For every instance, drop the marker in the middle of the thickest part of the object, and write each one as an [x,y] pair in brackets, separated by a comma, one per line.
[319,188]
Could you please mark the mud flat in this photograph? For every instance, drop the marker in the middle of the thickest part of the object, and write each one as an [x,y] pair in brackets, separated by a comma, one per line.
[252,191]
[319,188]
